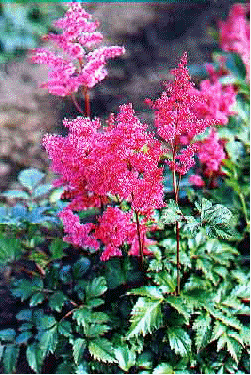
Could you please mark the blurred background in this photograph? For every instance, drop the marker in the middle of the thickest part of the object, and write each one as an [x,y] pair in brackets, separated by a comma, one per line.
[155,35]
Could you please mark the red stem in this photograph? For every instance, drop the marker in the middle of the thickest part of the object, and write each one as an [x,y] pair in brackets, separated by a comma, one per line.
[140,243]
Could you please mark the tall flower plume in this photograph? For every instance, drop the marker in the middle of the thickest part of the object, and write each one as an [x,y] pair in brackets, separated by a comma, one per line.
[79,63]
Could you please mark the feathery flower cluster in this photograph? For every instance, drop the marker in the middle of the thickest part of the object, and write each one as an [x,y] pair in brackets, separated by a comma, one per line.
[176,120]
[210,154]
[103,166]
[235,33]
[218,103]
[77,65]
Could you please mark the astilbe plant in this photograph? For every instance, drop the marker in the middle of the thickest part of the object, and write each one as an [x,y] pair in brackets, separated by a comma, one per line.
[190,287]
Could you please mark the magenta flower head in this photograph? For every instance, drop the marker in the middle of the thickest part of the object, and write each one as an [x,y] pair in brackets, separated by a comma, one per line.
[75,62]
[176,121]
[235,33]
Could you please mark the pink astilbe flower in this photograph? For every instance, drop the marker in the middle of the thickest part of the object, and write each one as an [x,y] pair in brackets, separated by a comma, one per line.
[78,234]
[235,33]
[176,121]
[120,161]
[76,65]
[218,103]
[196,180]
[211,153]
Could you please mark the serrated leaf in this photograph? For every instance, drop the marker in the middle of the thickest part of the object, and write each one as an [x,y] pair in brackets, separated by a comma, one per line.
[24,315]
[233,347]
[96,288]
[10,358]
[36,299]
[64,328]
[126,358]
[10,250]
[82,315]
[153,292]
[95,302]
[25,288]
[48,340]
[56,248]
[146,316]
[30,178]
[178,304]
[163,368]
[179,341]
[78,346]
[171,214]
[57,300]
[26,326]
[23,337]
[102,350]
[81,267]
[230,321]
[202,327]
[35,357]
[94,330]
[15,194]
[7,334]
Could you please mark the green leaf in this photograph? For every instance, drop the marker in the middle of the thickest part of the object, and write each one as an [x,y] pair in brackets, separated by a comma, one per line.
[10,250]
[24,315]
[82,315]
[102,350]
[178,304]
[233,347]
[126,358]
[30,178]
[25,288]
[10,358]
[202,327]
[64,328]
[81,267]
[94,330]
[15,194]
[95,302]
[179,341]
[23,337]
[66,368]
[57,300]
[7,334]
[153,292]
[41,190]
[171,214]
[146,316]
[26,326]
[35,356]
[163,368]
[230,321]
[56,248]
[78,346]
[36,299]
[96,288]
[48,340]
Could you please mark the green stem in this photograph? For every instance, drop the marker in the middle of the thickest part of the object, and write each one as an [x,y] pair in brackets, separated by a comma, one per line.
[244,207]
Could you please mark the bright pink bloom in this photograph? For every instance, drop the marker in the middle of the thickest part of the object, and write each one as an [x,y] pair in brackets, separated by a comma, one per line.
[78,234]
[211,153]
[76,66]
[176,121]
[196,180]
[95,163]
[235,33]
[218,103]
